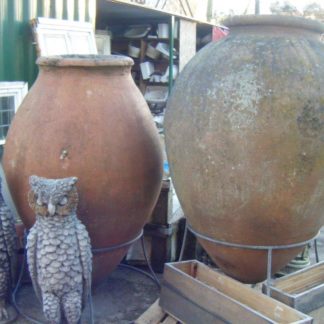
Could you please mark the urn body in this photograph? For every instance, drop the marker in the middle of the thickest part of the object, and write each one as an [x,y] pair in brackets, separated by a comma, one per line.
[85,117]
[244,134]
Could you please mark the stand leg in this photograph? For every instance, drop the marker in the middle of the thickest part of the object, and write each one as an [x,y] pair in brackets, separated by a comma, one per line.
[269,267]
[184,240]
[316,251]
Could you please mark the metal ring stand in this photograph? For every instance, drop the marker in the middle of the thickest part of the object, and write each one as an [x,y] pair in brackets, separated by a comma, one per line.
[268,248]
[117,246]
[129,243]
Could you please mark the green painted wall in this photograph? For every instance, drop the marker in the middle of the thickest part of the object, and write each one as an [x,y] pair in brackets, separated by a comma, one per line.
[17,52]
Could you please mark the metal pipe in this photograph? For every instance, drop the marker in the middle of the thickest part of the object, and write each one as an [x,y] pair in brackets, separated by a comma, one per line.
[171,45]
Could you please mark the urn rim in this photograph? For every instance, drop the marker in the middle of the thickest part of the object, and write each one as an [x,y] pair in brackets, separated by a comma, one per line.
[87,60]
[275,20]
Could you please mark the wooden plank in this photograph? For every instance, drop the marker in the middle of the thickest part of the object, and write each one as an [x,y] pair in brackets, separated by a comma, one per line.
[187,42]
[247,296]
[301,275]
[203,302]
[182,308]
[302,282]
[277,294]
[202,298]
[152,316]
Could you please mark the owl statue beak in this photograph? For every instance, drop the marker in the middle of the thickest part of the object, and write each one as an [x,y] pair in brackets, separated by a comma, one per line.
[51,208]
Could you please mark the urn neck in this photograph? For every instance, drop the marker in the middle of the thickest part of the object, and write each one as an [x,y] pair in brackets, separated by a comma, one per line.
[108,64]
[274,24]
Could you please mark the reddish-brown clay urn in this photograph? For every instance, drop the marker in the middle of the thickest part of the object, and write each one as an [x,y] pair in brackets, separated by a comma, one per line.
[245,140]
[85,117]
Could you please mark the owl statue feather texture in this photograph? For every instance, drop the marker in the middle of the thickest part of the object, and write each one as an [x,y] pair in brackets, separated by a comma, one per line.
[58,249]
[8,260]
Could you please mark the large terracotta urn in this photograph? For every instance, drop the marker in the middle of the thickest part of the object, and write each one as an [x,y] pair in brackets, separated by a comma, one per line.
[85,117]
[245,141]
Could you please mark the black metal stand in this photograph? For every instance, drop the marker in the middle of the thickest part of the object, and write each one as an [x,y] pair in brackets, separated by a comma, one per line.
[117,246]
[267,248]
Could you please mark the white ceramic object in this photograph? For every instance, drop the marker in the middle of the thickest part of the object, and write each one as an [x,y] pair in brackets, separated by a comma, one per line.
[152,52]
[163,48]
[147,69]
[137,31]
[133,51]
[165,76]
[103,42]
[156,94]
[155,78]
[163,30]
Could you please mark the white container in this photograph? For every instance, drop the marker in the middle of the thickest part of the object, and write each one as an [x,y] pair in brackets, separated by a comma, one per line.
[152,52]
[147,69]
[103,42]
[165,76]
[163,48]
[163,30]
[155,78]
[156,94]
[133,51]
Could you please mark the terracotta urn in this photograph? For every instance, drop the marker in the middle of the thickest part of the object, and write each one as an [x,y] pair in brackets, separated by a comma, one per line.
[85,117]
[244,133]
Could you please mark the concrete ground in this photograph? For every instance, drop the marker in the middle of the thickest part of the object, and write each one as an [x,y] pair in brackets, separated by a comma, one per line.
[124,296]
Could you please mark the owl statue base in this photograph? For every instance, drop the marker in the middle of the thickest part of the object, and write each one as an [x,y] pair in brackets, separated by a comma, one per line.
[58,250]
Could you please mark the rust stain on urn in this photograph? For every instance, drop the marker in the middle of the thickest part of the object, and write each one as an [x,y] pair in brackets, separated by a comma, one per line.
[244,135]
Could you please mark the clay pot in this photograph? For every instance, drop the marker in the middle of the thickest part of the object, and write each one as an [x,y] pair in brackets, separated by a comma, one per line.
[244,136]
[85,117]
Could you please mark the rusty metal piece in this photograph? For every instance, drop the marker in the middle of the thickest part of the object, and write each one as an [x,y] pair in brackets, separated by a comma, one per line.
[244,136]
[85,117]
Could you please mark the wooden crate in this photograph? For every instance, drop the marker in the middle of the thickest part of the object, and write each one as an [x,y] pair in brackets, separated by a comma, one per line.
[302,290]
[194,293]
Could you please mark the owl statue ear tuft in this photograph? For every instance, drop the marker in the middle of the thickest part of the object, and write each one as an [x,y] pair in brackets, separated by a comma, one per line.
[31,199]
[73,181]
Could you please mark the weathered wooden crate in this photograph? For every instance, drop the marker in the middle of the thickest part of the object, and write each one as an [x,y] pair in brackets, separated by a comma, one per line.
[302,290]
[194,293]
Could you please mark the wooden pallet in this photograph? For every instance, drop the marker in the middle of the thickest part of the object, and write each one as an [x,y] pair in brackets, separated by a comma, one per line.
[156,315]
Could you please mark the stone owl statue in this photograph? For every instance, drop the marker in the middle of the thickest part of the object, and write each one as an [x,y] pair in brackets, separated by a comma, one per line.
[8,259]
[58,249]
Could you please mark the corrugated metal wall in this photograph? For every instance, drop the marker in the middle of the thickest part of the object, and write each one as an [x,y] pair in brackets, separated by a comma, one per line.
[17,54]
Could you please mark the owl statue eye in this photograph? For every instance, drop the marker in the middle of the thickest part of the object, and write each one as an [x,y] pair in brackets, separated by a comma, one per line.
[63,201]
